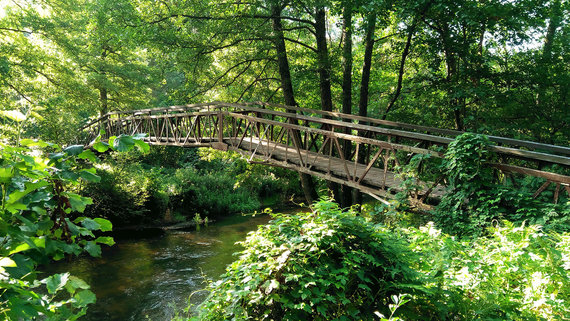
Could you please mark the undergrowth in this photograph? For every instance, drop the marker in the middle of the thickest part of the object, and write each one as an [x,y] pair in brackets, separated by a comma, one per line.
[335,265]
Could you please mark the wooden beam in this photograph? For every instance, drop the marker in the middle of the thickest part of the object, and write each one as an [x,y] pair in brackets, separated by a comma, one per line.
[557,178]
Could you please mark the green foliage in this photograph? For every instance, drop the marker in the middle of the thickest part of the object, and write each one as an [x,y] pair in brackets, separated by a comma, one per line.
[334,265]
[326,265]
[470,202]
[214,194]
[39,222]
[139,187]
[475,198]
[515,273]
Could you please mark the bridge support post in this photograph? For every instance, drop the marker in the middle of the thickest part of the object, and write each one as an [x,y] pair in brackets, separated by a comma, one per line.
[220,145]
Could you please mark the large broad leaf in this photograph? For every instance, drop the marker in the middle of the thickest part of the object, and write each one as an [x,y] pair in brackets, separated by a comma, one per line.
[144,147]
[31,142]
[101,147]
[88,223]
[88,155]
[89,176]
[6,174]
[83,298]
[14,115]
[73,150]
[30,187]
[56,282]
[106,225]
[123,143]
[93,249]
[6,262]
[105,240]
[55,156]
[139,136]
[78,202]
[75,283]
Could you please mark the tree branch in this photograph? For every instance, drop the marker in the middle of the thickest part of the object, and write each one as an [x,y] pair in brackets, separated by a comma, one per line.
[20,93]
[300,43]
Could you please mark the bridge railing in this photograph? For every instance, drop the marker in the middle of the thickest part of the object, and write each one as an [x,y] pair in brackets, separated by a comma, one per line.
[313,134]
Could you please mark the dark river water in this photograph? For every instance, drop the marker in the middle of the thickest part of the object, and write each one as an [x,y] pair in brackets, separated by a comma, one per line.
[152,278]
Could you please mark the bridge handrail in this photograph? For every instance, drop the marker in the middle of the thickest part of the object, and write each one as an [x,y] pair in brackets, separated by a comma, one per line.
[450,132]
[217,106]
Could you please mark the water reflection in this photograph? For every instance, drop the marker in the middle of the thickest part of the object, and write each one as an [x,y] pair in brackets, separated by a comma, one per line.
[145,278]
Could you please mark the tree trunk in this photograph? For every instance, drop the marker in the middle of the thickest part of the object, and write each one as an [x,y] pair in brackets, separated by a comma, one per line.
[451,64]
[405,53]
[103,95]
[324,67]
[346,191]
[103,100]
[364,85]
[323,59]
[287,87]
[553,24]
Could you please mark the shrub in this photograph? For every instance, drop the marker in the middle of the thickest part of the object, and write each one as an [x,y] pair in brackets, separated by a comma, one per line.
[39,222]
[212,194]
[474,197]
[326,265]
[517,272]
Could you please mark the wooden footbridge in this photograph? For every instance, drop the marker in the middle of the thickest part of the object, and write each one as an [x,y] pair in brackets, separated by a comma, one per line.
[317,143]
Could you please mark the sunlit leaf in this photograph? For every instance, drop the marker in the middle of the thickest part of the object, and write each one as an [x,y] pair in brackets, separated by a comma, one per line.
[14,115]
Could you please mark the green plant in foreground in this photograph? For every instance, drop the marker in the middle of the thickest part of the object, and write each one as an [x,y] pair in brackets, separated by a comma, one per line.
[326,265]
[515,273]
[334,265]
[39,222]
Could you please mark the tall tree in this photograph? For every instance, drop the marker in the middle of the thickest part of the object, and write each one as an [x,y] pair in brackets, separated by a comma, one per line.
[287,88]
[347,30]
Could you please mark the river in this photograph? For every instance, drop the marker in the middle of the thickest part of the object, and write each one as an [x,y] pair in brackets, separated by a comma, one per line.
[152,278]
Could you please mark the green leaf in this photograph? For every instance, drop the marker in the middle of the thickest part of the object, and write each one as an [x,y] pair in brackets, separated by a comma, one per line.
[90,224]
[56,282]
[101,147]
[88,155]
[83,298]
[105,240]
[123,143]
[14,115]
[140,136]
[78,202]
[6,174]
[142,146]
[106,225]
[55,156]
[93,249]
[32,142]
[75,283]
[73,150]
[30,187]
[89,177]
[8,262]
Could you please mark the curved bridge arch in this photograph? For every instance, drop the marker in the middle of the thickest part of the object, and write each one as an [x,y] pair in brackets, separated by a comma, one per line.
[313,142]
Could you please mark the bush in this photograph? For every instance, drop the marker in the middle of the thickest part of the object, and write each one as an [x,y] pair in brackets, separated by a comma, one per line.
[127,193]
[326,265]
[212,194]
[139,188]
[40,221]
[516,273]
[474,197]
